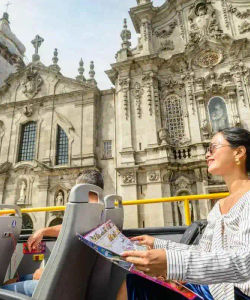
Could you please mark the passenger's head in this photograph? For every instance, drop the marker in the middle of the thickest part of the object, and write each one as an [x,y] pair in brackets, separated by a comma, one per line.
[91,176]
[229,149]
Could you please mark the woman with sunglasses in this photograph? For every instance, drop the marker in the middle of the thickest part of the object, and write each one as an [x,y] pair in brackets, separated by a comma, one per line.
[219,266]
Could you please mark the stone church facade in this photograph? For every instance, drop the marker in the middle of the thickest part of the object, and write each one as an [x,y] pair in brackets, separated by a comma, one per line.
[188,77]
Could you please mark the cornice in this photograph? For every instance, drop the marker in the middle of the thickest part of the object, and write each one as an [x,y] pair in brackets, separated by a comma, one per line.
[40,67]
[43,99]
[138,12]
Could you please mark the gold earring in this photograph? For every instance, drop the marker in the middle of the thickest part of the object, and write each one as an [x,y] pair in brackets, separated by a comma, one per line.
[237,161]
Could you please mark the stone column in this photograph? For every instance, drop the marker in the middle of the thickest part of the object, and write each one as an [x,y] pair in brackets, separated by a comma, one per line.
[146,34]
[3,178]
[154,212]
[168,207]
[41,199]
[151,98]
[129,192]
[127,151]
[232,96]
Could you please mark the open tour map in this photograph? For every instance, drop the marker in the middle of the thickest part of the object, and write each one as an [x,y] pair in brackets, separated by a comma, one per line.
[108,241]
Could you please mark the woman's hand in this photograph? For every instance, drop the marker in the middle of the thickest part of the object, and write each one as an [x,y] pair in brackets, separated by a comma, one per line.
[152,262]
[146,240]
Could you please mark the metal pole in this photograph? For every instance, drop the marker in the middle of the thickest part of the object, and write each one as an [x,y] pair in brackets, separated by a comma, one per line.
[187,212]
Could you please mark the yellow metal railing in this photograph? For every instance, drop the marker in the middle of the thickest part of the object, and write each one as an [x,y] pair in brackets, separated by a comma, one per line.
[185,199]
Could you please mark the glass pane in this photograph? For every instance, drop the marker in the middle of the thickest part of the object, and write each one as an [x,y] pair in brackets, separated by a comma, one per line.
[27,142]
[107,149]
[62,147]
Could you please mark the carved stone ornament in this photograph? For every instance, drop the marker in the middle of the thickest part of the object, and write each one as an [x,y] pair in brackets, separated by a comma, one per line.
[32,83]
[147,81]
[182,183]
[164,33]
[28,110]
[163,136]
[129,178]
[244,27]
[124,83]
[205,129]
[225,13]
[5,167]
[208,58]
[167,45]
[239,14]
[181,24]
[167,177]
[153,176]
[203,23]
[138,91]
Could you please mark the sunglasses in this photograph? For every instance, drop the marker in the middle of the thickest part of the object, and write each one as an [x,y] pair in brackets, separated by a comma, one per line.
[213,147]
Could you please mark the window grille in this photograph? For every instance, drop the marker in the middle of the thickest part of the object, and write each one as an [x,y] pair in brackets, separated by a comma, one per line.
[62,147]
[173,116]
[27,142]
[107,149]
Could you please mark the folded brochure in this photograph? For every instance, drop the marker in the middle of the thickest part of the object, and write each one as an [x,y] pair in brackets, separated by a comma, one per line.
[109,242]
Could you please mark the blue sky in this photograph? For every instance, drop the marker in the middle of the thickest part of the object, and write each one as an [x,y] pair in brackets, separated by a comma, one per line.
[78,28]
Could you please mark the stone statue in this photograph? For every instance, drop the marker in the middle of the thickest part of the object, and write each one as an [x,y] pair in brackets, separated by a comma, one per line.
[22,196]
[59,199]
[202,19]
[203,23]
[219,117]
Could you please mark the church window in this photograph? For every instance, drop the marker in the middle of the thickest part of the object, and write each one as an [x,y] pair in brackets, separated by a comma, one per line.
[27,141]
[218,114]
[107,149]
[173,118]
[56,221]
[26,222]
[62,146]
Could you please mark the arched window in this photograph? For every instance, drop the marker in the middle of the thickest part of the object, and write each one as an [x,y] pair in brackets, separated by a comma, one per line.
[62,146]
[27,141]
[173,118]
[56,221]
[218,113]
[27,222]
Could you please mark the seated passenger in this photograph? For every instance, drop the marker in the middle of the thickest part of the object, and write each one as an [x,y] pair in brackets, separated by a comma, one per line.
[27,284]
[219,266]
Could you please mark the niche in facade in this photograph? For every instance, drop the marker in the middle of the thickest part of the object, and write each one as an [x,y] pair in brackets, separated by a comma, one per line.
[59,198]
[218,113]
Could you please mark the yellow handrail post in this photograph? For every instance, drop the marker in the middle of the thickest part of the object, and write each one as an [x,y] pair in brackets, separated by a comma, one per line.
[187,212]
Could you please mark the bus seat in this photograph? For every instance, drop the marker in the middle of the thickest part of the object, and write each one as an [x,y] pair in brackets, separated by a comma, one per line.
[10,228]
[68,269]
[112,212]
[106,278]
[9,295]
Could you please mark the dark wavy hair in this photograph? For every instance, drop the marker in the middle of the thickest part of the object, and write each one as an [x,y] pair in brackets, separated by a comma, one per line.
[238,137]
[90,176]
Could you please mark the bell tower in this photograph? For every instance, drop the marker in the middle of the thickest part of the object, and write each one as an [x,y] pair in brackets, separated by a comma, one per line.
[11,49]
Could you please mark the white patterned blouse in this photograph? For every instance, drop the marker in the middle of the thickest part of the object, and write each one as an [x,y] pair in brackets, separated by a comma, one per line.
[222,257]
